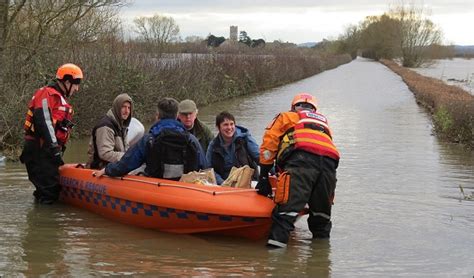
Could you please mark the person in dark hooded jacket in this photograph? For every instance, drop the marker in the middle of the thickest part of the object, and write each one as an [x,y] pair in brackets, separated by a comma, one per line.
[108,141]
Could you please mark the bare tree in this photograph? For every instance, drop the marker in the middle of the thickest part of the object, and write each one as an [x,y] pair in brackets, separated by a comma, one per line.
[3,22]
[44,25]
[36,36]
[416,33]
[157,32]
[7,16]
[349,41]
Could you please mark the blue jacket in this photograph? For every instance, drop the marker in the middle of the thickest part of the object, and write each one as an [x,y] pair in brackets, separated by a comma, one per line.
[228,156]
[136,155]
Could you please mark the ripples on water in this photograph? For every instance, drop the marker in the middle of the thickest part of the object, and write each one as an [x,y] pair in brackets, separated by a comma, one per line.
[398,208]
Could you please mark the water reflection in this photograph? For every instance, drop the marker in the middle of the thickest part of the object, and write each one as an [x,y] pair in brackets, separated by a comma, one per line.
[61,241]
[307,258]
[43,251]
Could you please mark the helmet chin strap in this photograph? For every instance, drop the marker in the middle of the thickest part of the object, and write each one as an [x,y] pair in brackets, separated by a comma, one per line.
[68,90]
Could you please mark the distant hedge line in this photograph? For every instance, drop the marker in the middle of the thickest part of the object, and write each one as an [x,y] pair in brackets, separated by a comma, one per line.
[451,107]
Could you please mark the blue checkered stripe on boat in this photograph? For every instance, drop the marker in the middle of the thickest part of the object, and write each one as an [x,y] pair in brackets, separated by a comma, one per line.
[126,206]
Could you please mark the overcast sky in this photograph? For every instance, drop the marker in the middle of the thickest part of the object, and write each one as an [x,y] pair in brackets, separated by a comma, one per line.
[296,21]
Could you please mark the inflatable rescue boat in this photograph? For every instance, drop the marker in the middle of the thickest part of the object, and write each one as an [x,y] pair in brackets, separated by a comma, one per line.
[168,206]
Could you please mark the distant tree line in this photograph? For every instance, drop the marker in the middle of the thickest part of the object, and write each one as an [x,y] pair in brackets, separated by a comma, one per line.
[213,41]
[403,32]
[245,39]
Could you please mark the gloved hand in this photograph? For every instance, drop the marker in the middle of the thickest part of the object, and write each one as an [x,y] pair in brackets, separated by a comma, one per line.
[56,154]
[265,170]
[263,186]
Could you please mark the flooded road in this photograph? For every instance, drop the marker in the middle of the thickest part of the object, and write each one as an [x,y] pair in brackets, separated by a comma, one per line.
[398,209]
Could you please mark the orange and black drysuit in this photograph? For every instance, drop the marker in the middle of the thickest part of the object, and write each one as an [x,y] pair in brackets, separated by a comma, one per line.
[47,127]
[301,145]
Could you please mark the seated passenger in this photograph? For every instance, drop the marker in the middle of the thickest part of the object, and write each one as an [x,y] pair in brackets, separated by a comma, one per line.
[233,146]
[108,141]
[168,149]
[187,114]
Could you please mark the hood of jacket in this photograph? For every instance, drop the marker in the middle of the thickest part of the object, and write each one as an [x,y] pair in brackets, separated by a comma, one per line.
[115,111]
[166,124]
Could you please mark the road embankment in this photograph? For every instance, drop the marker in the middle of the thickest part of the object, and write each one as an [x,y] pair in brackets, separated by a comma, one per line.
[451,107]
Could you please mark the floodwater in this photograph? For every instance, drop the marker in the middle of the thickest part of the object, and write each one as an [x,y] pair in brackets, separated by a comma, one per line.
[398,209]
[457,71]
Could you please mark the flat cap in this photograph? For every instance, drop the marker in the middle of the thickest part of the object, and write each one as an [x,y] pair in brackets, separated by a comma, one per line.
[187,106]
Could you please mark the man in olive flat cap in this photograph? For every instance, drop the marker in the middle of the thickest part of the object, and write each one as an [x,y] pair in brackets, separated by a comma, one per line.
[187,114]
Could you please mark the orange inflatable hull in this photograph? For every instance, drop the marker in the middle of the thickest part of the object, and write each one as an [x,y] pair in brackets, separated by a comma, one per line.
[168,206]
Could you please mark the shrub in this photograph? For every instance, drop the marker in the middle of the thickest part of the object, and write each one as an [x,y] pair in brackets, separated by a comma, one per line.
[443,120]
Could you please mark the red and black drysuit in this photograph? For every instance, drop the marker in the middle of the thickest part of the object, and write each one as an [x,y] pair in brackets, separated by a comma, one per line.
[47,128]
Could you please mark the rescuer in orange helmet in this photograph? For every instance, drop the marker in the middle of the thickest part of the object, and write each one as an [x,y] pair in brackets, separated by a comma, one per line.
[299,143]
[47,128]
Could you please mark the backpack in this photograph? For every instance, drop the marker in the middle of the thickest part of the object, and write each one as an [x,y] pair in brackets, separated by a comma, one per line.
[171,154]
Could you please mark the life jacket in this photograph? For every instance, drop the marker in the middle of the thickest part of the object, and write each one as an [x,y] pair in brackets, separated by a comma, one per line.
[311,134]
[97,162]
[171,154]
[49,107]
[242,158]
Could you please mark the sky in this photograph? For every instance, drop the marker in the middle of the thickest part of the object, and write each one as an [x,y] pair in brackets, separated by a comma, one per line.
[296,21]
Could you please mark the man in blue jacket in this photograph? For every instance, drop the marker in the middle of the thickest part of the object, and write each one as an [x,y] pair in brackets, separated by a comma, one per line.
[168,149]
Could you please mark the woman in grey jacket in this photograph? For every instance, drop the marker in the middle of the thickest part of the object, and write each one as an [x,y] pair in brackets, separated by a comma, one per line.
[108,141]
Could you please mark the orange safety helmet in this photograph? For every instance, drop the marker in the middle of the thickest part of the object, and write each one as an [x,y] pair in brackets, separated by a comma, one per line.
[69,71]
[304,97]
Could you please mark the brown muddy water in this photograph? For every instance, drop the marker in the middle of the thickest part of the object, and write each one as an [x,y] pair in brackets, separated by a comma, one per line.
[398,209]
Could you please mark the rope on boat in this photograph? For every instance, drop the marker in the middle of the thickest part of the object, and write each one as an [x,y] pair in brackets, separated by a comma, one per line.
[212,192]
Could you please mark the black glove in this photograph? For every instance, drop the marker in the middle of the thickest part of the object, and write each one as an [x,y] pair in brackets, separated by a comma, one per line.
[265,170]
[263,186]
[56,155]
